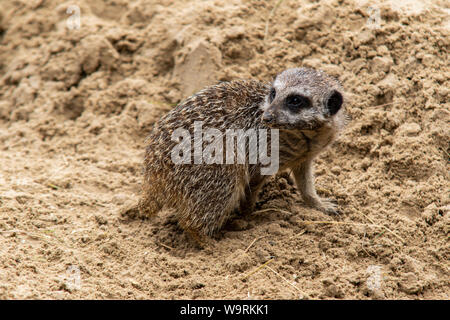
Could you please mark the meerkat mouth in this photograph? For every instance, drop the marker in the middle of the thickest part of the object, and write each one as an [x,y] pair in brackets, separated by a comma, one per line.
[308,134]
[307,127]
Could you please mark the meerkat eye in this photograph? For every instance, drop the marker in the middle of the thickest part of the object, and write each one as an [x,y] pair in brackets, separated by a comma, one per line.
[334,102]
[297,102]
[272,94]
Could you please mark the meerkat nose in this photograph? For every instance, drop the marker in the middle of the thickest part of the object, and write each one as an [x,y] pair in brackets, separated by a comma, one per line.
[268,117]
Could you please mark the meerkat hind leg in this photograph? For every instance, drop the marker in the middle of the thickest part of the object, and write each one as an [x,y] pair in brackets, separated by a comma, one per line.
[247,205]
[146,207]
[201,241]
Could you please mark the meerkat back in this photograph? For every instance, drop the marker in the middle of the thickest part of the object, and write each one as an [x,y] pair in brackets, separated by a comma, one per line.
[201,194]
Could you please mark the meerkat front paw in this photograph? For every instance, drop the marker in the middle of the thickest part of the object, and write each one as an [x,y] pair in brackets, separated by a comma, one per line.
[329,206]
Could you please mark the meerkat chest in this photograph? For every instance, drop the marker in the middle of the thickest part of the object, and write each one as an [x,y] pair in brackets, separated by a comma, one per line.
[298,146]
[293,148]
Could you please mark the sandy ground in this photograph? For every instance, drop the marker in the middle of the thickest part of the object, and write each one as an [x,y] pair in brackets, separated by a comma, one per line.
[77,101]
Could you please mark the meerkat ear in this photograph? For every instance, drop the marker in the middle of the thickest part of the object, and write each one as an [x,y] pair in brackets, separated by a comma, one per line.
[334,102]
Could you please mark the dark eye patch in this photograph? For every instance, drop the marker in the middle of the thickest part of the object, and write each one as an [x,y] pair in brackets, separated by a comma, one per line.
[297,102]
[272,94]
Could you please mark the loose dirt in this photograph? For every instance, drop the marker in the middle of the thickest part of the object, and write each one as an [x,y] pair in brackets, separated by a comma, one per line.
[78,100]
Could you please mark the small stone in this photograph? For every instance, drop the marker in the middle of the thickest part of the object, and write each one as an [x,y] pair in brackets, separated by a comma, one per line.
[235,32]
[410,283]
[299,34]
[336,170]
[312,63]
[378,294]
[382,50]
[428,60]
[331,290]
[388,83]
[100,220]
[371,54]
[382,64]
[357,64]
[365,37]
[333,70]
[410,129]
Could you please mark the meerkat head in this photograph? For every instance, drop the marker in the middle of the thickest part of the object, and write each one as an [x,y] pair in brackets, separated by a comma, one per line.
[302,99]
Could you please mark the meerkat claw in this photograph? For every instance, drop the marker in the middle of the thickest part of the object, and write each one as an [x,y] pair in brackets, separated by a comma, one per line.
[329,206]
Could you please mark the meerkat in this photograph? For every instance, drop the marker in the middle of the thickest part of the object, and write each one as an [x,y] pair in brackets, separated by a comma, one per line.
[305,105]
